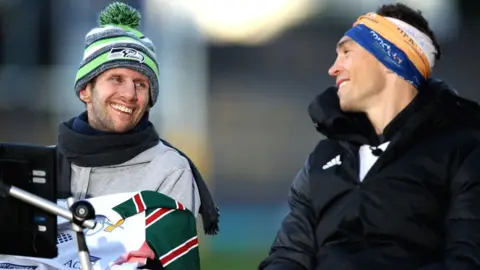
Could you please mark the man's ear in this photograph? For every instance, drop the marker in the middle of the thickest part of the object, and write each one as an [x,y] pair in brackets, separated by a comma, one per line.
[85,94]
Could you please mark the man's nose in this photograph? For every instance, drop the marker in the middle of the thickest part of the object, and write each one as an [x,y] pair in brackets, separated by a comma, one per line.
[129,91]
[335,69]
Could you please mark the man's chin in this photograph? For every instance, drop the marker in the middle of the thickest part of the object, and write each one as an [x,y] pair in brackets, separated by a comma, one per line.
[122,123]
[344,106]
[122,128]
[347,107]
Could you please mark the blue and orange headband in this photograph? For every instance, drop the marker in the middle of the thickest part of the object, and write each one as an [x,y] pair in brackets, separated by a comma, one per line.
[399,46]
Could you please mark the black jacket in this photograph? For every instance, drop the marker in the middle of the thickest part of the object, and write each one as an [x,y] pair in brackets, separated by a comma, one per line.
[418,207]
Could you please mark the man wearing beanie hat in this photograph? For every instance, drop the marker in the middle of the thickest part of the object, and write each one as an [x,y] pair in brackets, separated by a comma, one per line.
[396,183]
[112,147]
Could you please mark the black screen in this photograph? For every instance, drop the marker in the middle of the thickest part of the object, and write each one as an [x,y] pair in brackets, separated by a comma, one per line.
[32,230]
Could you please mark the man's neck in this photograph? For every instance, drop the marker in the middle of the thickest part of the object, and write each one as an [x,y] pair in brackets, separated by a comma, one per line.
[389,104]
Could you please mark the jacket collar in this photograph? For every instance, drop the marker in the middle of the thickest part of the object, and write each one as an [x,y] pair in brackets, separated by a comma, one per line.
[436,105]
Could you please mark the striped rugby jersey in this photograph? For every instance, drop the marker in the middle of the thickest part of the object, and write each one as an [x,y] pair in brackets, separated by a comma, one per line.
[170,228]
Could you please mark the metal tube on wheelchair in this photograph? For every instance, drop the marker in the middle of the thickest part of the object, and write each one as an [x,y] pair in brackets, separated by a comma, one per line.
[83,252]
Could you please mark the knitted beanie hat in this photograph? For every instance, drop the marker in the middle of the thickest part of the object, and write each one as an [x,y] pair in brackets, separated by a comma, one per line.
[118,43]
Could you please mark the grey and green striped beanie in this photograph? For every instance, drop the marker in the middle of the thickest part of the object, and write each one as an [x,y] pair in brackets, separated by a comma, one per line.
[118,43]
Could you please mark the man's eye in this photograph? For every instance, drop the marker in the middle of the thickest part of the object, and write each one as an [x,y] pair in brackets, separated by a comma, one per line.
[116,79]
[141,85]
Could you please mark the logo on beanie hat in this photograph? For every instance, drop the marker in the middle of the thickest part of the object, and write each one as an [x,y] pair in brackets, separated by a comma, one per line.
[126,53]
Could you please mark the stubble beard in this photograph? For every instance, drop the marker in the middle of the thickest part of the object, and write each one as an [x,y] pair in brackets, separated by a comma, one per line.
[101,118]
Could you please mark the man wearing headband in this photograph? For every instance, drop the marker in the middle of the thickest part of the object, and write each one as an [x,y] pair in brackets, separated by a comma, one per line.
[396,184]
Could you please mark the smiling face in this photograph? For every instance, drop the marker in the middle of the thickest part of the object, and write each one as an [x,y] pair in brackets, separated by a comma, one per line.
[359,76]
[116,100]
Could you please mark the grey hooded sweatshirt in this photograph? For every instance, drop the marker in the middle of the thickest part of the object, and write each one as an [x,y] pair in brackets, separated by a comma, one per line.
[160,168]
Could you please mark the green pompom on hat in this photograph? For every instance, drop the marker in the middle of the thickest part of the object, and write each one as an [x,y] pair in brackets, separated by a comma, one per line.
[117,43]
[120,14]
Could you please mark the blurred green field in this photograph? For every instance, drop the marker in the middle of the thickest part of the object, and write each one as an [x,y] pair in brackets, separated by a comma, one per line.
[245,238]
[232,260]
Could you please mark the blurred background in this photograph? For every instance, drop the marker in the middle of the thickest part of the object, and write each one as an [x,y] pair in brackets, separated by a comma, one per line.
[237,77]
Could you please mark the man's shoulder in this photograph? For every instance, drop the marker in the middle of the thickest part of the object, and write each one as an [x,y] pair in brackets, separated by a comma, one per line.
[325,149]
[458,138]
[166,156]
